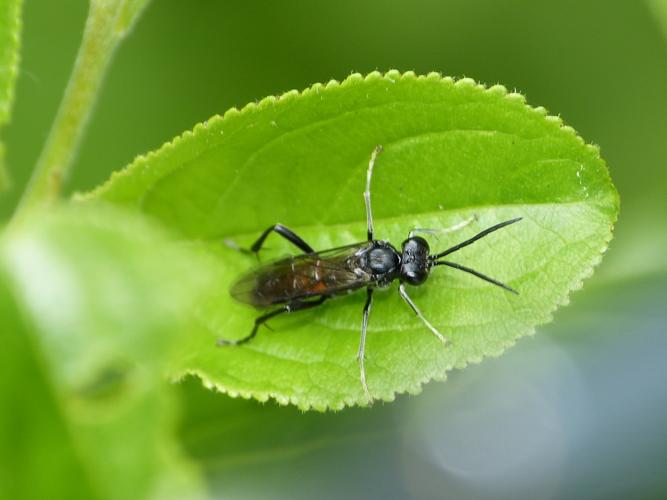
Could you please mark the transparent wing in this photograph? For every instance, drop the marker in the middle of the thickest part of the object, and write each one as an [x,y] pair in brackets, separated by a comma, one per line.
[322,273]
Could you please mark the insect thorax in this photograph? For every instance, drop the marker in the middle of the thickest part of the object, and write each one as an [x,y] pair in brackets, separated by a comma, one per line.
[382,261]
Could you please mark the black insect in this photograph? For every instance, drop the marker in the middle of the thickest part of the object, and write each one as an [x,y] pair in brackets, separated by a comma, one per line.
[309,279]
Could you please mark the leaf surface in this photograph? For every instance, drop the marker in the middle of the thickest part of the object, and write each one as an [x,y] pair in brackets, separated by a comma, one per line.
[92,304]
[452,150]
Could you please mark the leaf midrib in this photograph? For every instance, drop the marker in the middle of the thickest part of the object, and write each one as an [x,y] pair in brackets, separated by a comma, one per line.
[399,218]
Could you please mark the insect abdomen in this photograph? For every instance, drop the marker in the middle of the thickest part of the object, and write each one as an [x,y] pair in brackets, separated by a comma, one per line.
[296,278]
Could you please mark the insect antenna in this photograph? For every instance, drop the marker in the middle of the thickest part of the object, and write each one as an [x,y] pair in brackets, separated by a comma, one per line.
[474,238]
[435,262]
[475,273]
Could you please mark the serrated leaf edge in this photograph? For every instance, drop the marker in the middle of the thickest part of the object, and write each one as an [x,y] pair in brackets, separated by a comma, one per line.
[412,389]
[141,161]
[391,76]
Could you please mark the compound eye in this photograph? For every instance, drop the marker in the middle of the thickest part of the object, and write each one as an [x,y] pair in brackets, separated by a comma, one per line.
[416,245]
[416,278]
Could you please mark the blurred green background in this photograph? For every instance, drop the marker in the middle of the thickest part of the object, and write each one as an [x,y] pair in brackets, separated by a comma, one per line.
[577,411]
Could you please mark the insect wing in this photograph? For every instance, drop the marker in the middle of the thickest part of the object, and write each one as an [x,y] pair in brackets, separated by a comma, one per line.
[301,276]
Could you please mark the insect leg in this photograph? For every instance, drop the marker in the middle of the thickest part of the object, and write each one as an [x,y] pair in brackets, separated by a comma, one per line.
[259,321]
[362,343]
[367,193]
[451,229]
[283,231]
[405,297]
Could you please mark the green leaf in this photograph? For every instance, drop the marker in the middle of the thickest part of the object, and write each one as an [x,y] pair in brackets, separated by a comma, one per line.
[225,435]
[10,29]
[659,10]
[37,457]
[96,308]
[452,149]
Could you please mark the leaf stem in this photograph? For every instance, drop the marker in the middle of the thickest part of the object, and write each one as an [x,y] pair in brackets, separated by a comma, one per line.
[107,23]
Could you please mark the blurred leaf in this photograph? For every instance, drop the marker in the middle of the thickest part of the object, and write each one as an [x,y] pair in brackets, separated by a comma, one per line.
[659,9]
[10,28]
[225,434]
[38,458]
[452,150]
[235,442]
[618,327]
[104,295]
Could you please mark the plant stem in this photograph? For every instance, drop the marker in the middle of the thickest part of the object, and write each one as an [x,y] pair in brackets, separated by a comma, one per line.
[108,21]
